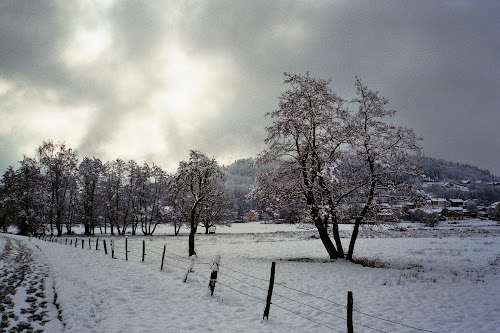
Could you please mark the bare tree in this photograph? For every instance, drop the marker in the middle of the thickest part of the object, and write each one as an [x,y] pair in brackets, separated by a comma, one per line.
[219,210]
[22,198]
[333,161]
[57,165]
[112,195]
[152,198]
[300,141]
[384,152]
[198,179]
[174,209]
[90,171]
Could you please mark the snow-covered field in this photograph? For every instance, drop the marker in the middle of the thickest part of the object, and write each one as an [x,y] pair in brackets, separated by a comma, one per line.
[439,280]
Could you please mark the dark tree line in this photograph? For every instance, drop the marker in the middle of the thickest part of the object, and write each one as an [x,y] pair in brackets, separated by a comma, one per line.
[52,192]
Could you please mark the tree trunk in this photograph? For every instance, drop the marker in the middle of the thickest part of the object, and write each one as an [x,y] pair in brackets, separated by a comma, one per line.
[361,216]
[353,240]
[325,239]
[194,226]
[191,244]
[327,242]
[87,228]
[336,237]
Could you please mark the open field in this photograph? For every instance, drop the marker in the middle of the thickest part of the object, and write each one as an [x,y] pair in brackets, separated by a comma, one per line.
[441,280]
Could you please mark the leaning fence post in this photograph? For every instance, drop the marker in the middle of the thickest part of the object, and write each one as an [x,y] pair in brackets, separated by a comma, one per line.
[350,328]
[112,249]
[269,292]
[126,248]
[163,257]
[105,248]
[189,269]
[143,249]
[213,274]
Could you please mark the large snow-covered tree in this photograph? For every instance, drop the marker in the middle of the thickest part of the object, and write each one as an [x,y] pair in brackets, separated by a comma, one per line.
[90,172]
[111,192]
[331,161]
[152,198]
[300,141]
[198,180]
[220,210]
[383,151]
[22,197]
[58,165]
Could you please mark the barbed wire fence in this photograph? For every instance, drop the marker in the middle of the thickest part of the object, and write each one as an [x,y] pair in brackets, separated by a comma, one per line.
[157,255]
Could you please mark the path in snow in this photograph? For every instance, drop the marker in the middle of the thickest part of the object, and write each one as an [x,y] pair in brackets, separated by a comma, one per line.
[27,299]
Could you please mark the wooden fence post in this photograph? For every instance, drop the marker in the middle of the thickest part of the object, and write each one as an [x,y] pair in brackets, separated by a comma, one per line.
[105,248]
[83,243]
[163,257]
[70,242]
[213,274]
[126,248]
[96,244]
[143,249]
[90,247]
[76,241]
[112,249]
[269,292]
[189,269]
[350,328]
[66,242]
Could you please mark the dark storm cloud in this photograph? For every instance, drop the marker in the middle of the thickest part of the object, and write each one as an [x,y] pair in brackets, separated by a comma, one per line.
[437,62]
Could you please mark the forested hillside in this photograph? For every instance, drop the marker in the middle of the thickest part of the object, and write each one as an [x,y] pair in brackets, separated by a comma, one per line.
[241,175]
[441,170]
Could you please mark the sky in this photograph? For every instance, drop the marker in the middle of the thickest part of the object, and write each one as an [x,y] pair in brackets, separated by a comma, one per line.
[150,80]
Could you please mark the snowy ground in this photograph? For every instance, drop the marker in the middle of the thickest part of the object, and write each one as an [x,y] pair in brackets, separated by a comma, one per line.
[440,280]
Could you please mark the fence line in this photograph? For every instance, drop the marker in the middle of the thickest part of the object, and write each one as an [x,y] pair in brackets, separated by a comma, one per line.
[184,260]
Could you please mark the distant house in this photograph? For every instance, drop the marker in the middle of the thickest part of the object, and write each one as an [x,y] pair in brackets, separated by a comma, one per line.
[455,215]
[386,216]
[469,214]
[456,203]
[439,202]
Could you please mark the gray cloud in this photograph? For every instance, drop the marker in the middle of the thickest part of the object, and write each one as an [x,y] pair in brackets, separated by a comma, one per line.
[437,62]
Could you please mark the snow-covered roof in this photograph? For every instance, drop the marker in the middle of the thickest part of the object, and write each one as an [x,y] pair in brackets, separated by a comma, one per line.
[439,199]
[456,200]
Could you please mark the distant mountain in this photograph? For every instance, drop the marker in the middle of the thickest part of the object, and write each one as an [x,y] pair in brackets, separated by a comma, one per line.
[441,170]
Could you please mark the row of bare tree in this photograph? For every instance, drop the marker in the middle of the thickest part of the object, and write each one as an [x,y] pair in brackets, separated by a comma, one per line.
[52,192]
